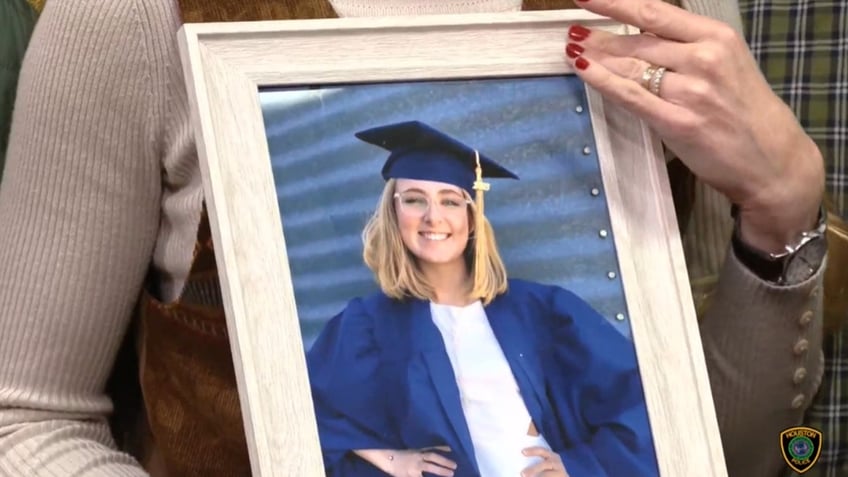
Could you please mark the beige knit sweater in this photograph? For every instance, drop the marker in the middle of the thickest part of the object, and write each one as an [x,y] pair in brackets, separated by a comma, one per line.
[102,178]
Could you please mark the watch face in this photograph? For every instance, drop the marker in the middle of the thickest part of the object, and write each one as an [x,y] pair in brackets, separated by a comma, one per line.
[802,264]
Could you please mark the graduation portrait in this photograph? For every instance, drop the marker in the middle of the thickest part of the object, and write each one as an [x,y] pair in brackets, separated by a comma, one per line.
[454,259]
[456,279]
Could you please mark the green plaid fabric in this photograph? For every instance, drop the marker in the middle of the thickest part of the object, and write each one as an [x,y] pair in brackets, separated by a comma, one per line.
[802,47]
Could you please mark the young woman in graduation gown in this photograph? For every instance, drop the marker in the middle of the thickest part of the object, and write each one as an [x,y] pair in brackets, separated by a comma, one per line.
[452,368]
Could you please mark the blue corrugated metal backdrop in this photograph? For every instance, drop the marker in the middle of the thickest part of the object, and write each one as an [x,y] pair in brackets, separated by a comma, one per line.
[548,224]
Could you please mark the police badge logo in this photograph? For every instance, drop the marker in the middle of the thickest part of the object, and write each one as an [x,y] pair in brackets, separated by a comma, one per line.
[801,447]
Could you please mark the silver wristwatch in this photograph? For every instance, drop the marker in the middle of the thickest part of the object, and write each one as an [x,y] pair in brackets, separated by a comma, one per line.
[797,262]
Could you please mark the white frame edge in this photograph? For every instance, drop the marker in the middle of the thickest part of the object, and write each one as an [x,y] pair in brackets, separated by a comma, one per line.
[225,65]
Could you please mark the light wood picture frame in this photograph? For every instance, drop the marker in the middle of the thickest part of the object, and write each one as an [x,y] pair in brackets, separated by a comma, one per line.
[228,64]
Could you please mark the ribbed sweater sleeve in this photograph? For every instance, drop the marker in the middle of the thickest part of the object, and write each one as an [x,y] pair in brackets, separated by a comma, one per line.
[762,342]
[95,149]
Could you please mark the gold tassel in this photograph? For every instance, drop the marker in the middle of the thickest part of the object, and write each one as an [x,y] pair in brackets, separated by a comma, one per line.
[481,242]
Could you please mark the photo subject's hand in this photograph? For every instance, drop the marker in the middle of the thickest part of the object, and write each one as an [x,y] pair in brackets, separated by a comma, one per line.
[693,80]
[411,462]
[550,466]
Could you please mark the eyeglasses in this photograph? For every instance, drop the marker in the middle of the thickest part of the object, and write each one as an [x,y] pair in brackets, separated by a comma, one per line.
[417,204]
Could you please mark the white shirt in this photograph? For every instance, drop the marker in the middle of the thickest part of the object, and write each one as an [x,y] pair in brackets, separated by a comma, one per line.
[497,417]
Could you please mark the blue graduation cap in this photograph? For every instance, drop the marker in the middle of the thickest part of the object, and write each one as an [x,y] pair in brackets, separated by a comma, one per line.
[419,151]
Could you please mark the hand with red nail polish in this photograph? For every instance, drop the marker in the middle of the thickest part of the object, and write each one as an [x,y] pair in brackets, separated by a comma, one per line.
[694,81]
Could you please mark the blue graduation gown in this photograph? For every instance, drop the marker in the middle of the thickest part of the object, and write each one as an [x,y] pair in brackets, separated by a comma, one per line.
[381,378]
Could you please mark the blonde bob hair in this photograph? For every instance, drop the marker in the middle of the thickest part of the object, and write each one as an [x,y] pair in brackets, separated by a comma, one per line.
[396,269]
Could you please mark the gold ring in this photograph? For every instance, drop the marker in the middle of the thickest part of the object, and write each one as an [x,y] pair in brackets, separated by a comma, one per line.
[647,75]
[656,79]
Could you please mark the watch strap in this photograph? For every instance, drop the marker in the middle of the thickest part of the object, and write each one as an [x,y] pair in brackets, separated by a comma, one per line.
[766,266]
[761,266]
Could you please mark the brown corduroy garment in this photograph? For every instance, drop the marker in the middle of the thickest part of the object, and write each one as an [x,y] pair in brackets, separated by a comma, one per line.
[187,377]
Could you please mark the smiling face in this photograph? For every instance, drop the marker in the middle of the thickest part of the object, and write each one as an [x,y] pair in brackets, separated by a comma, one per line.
[433,220]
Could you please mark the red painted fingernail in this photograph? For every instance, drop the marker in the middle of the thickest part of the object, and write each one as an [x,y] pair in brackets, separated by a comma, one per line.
[581,63]
[578,32]
[573,50]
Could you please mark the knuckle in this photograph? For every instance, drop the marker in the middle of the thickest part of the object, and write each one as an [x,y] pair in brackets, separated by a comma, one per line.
[649,15]
[708,57]
[610,44]
[726,34]
[699,92]
[617,45]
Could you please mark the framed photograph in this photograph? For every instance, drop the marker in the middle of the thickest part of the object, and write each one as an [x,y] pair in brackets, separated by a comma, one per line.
[312,134]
